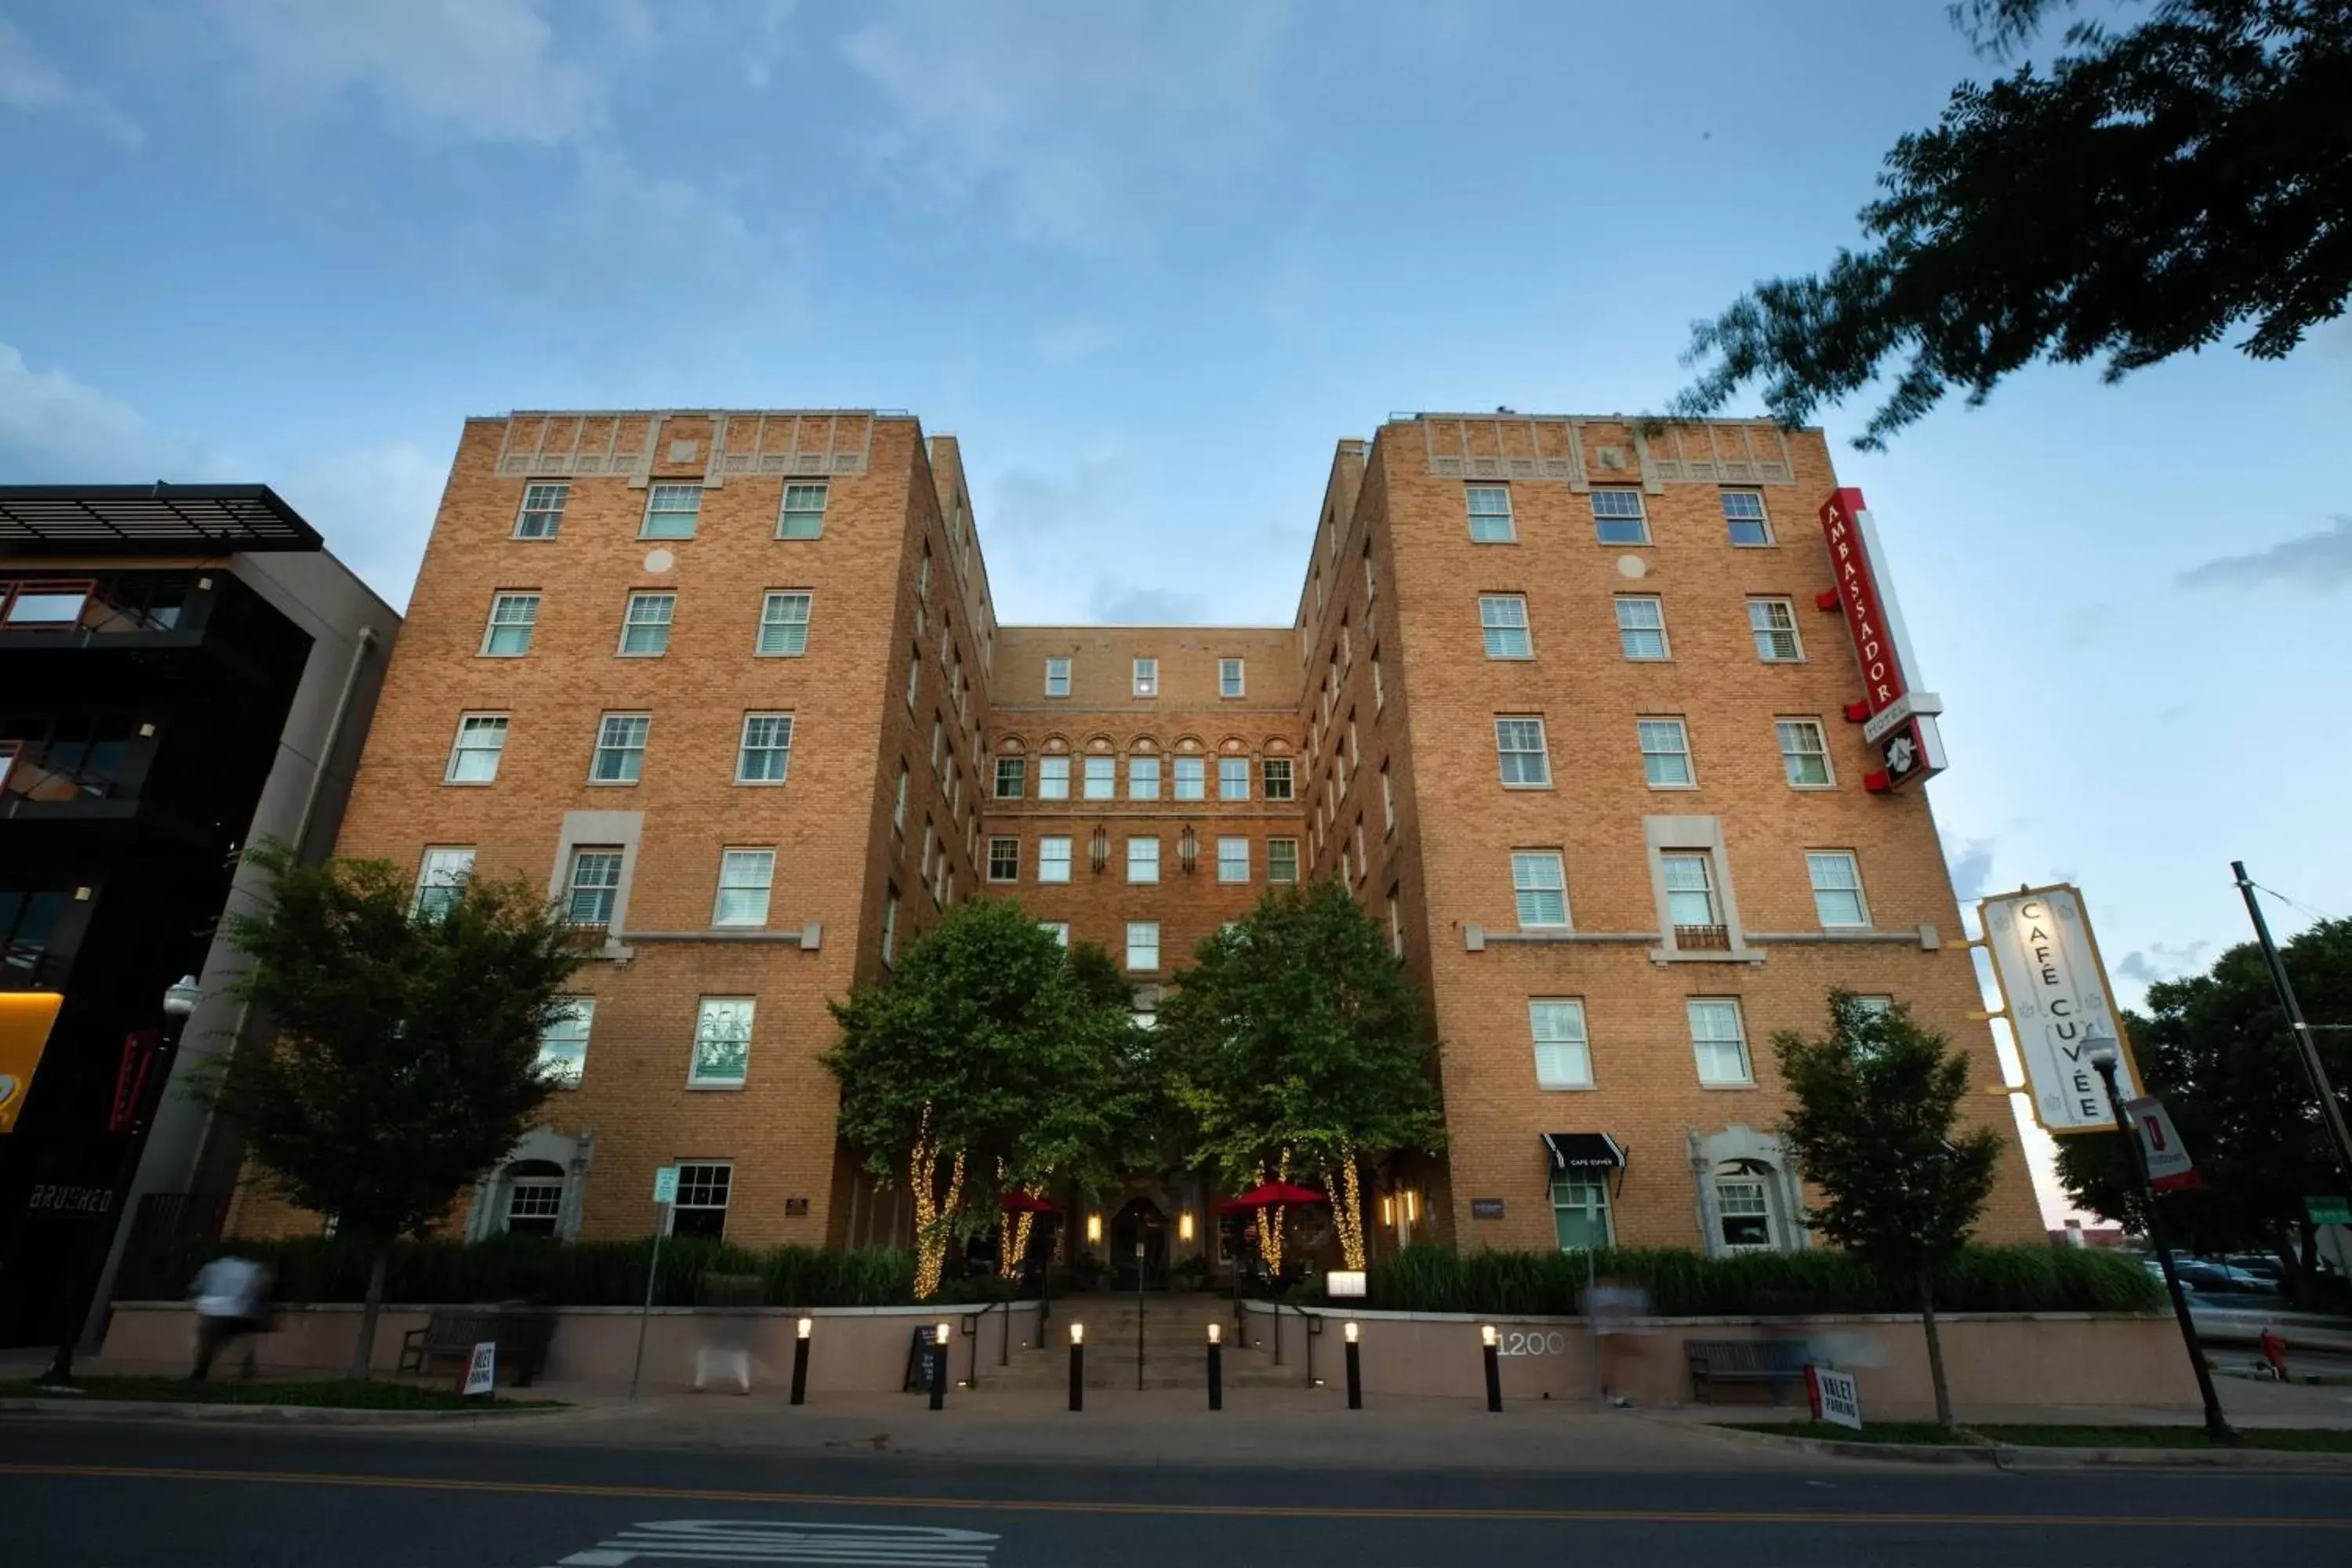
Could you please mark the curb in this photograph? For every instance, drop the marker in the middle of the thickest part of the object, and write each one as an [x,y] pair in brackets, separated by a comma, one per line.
[284,1414]
[2025,1457]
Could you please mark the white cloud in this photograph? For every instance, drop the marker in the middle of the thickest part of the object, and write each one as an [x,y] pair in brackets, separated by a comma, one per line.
[1096,118]
[2161,961]
[54,428]
[1119,602]
[29,82]
[1971,869]
[623,229]
[2320,562]
[483,69]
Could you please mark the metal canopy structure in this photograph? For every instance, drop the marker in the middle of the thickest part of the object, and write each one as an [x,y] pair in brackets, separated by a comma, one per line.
[148,520]
[1584,1152]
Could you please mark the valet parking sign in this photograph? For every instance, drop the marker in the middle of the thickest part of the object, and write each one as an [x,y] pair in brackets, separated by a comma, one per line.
[1897,719]
[2054,988]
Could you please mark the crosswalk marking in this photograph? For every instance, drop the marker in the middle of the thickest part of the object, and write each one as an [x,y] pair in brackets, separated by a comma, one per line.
[766,1540]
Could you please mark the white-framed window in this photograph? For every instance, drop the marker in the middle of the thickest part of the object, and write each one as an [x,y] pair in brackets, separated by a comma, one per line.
[767,752]
[889,924]
[1388,801]
[1057,677]
[1054,858]
[441,876]
[1003,858]
[1836,877]
[620,757]
[1503,622]
[1143,778]
[784,623]
[1773,623]
[1053,778]
[1192,778]
[1490,514]
[645,624]
[1011,776]
[702,1192]
[1744,1210]
[1690,889]
[672,512]
[1665,752]
[513,617]
[1396,925]
[1058,930]
[1642,627]
[1371,581]
[534,1202]
[1233,778]
[1229,678]
[1745,518]
[914,677]
[939,741]
[898,801]
[1579,1214]
[722,1040]
[1232,860]
[1274,777]
[1380,686]
[563,1041]
[1804,751]
[1540,889]
[1563,1055]
[1526,760]
[594,885]
[1101,778]
[931,842]
[1718,1039]
[474,755]
[1618,517]
[745,878]
[1143,859]
[1144,945]
[802,516]
[1147,677]
[542,516]
[1282,860]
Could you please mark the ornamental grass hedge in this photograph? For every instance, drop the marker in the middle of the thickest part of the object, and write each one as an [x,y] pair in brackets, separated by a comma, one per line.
[1683,1284]
[556,1273]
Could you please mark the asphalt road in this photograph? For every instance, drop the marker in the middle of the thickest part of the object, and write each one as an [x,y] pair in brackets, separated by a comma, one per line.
[93,1495]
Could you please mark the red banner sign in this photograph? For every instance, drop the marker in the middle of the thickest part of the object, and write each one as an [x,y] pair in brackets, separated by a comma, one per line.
[1899,721]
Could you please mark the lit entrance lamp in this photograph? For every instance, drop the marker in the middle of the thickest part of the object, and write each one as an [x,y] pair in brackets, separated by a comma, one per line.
[143,1082]
[2100,1050]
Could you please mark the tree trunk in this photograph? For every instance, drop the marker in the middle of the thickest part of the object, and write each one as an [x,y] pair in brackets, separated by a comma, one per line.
[363,1352]
[1935,1349]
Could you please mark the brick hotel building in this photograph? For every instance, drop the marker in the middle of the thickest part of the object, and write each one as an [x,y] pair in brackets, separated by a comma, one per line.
[1558,706]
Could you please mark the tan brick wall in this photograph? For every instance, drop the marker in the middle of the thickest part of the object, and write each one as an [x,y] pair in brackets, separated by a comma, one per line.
[1426,718]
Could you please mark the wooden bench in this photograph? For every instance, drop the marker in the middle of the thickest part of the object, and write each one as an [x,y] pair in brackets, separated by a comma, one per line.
[523,1335]
[1774,1363]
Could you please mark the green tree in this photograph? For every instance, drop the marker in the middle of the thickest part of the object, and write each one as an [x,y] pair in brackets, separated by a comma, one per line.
[1876,1131]
[2215,1048]
[979,1067]
[402,1060]
[2159,187]
[1297,1042]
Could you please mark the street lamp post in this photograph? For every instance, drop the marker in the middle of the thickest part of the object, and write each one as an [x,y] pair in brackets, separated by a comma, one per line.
[2101,1051]
[179,1005]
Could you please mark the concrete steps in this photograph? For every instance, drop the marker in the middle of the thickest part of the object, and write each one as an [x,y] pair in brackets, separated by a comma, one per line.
[1175,1347]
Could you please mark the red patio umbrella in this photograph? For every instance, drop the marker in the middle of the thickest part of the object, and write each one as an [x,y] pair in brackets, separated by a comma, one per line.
[1026,1203]
[1269,1196]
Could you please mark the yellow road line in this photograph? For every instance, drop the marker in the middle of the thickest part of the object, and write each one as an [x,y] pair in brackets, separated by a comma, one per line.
[1216,1510]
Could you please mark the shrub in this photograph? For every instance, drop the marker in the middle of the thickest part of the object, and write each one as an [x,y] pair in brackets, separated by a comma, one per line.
[1683,1284]
[535,1269]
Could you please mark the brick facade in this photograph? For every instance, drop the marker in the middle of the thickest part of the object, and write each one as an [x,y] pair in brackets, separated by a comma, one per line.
[1384,677]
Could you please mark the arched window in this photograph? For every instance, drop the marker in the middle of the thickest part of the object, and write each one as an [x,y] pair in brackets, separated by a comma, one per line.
[534,1197]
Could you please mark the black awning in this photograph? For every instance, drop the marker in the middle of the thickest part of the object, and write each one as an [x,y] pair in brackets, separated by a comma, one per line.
[148,520]
[1583,1151]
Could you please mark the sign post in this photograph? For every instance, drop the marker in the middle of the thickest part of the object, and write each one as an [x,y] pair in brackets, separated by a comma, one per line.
[666,1197]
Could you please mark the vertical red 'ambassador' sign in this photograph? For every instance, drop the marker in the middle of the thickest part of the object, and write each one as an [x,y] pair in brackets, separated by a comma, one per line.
[1899,720]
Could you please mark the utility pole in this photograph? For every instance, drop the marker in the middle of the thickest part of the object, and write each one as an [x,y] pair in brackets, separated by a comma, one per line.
[2329,1106]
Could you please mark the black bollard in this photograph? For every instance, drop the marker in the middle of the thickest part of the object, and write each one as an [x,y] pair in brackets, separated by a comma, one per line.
[1494,1367]
[1216,1370]
[939,1370]
[1078,1367]
[1355,1370]
[800,1362]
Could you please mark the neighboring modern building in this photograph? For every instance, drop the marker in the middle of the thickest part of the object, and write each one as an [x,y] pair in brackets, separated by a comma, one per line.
[1560,705]
[184,669]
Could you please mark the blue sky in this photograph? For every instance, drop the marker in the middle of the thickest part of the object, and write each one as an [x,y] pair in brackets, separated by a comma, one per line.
[1149,261]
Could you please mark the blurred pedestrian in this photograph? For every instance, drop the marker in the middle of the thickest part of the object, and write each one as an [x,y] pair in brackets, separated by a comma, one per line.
[232,1299]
